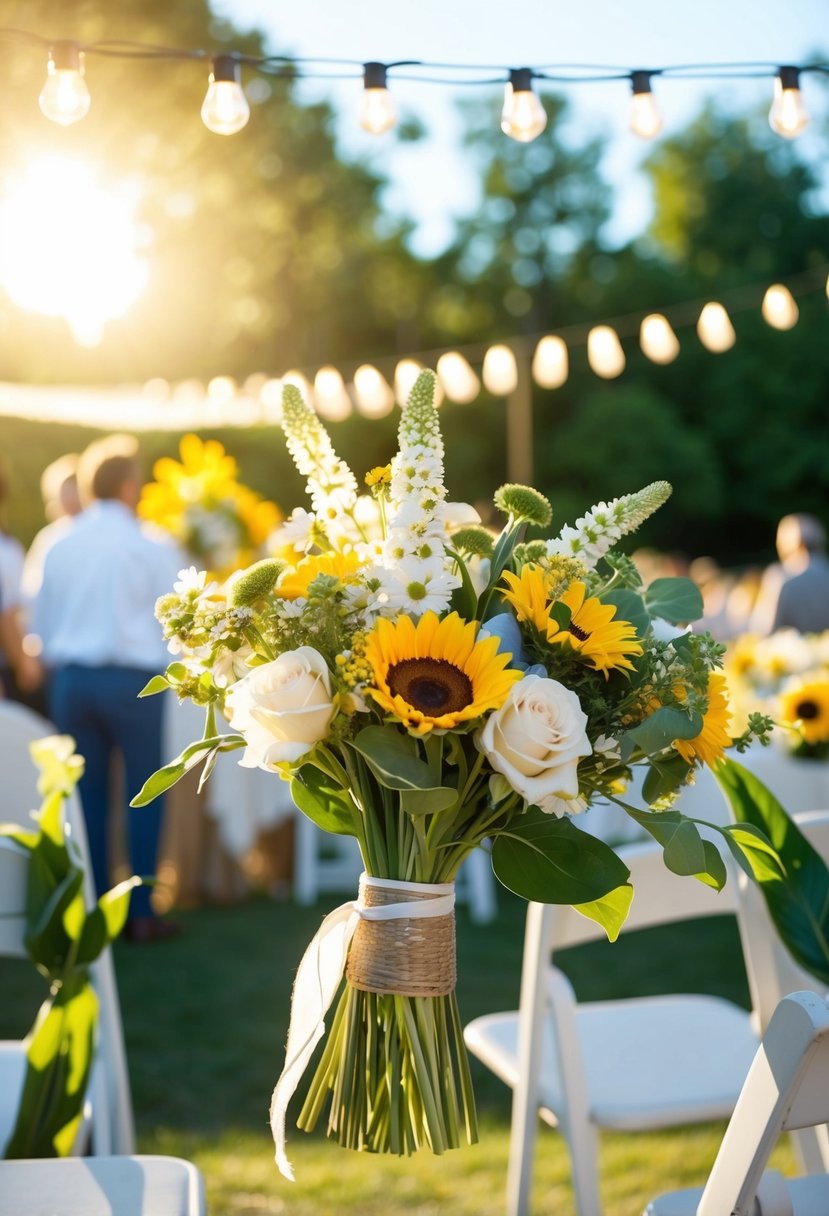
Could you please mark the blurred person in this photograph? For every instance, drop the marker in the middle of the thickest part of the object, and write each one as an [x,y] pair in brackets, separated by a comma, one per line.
[21,674]
[61,503]
[94,615]
[794,593]
[715,585]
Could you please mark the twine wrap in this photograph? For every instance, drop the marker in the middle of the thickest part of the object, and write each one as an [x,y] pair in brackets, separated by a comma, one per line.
[404,906]
[405,956]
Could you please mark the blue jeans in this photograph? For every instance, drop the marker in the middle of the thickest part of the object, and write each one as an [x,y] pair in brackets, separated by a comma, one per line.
[99,707]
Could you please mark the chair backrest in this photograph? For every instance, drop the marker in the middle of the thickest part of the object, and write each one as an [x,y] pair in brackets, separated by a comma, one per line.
[787,1088]
[112,1120]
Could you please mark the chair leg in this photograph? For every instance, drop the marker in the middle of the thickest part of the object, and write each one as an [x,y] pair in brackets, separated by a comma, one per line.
[584,1164]
[306,886]
[811,1145]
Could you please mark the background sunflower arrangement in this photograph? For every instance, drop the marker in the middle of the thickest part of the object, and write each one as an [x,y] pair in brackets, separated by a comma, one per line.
[199,501]
[427,713]
[786,676]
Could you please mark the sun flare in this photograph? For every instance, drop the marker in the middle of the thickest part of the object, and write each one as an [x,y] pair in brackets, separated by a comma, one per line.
[69,245]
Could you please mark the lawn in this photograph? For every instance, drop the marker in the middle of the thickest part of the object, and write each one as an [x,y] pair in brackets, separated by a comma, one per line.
[205,1019]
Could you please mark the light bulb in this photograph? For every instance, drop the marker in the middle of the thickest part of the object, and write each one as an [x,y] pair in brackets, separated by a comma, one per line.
[788,115]
[551,362]
[715,330]
[523,116]
[378,112]
[779,308]
[645,117]
[373,392]
[500,371]
[225,109]
[657,339]
[457,378]
[604,352]
[330,397]
[64,97]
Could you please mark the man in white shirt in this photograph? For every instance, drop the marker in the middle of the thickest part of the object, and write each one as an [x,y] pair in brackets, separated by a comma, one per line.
[94,614]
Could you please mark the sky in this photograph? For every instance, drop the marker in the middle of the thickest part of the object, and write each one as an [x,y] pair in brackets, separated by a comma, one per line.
[430,182]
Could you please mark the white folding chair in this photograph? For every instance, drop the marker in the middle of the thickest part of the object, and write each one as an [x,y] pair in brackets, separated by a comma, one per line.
[787,1088]
[631,1064]
[101,1186]
[775,973]
[109,1125]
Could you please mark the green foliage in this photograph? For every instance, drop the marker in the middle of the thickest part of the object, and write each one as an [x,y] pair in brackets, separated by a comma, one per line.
[795,884]
[62,939]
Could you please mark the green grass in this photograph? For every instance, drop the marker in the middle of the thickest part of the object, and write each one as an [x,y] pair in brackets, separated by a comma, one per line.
[205,1018]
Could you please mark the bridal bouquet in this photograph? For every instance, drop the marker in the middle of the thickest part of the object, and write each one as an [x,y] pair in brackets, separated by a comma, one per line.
[429,687]
[786,676]
[200,502]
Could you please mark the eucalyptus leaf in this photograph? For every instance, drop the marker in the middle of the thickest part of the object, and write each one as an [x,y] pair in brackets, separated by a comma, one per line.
[325,803]
[665,775]
[611,911]
[549,860]
[797,890]
[629,607]
[663,726]
[677,600]
[682,845]
[715,874]
[392,757]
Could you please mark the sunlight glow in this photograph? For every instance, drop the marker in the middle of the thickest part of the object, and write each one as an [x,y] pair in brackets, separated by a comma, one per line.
[68,246]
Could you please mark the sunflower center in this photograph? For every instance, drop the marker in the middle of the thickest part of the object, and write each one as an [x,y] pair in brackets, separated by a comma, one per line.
[807,710]
[578,632]
[431,686]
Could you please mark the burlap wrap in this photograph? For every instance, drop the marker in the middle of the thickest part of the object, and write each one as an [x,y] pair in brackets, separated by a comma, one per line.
[406,957]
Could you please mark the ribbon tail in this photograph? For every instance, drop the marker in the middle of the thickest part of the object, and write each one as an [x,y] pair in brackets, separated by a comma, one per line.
[317,980]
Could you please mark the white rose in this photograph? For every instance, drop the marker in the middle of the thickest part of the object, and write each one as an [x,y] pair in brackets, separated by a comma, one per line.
[536,740]
[282,708]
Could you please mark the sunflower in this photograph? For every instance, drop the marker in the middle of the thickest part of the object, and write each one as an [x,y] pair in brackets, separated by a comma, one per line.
[604,642]
[434,674]
[296,582]
[807,706]
[709,745]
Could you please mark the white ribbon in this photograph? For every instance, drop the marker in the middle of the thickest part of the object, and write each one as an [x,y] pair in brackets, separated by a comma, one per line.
[319,976]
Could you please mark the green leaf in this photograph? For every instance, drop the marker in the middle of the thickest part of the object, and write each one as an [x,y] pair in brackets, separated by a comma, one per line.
[629,607]
[59,1055]
[561,613]
[715,874]
[550,861]
[681,842]
[464,598]
[26,840]
[392,757]
[796,894]
[167,777]
[665,775]
[677,600]
[325,803]
[156,684]
[428,802]
[106,920]
[611,911]
[46,939]
[662,727]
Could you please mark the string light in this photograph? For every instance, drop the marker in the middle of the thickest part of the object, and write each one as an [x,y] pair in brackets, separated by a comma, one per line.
[779,308]
[645,116]
[788,115]
[225,108]
[378,112]
[64,98]
[658,341]
[523,117]
[373,392]
[714,329]
[551,363]
[500,371]
[604,352]
[330,396]
[457,378]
